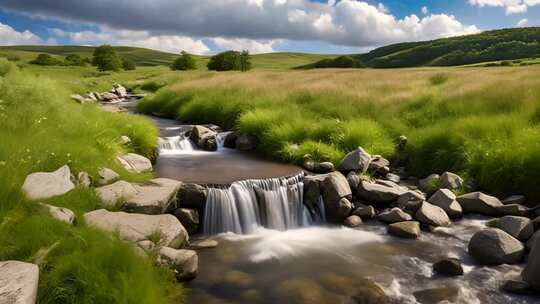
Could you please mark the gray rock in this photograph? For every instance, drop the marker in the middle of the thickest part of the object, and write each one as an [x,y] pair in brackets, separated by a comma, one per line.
[364,211]
[230,140]
[352,221]
[192,196]
[410,201]
[432,215]
[116,193]
[354,181]
[203,244]
[531,273]
[312,191]
[184,262]
[44,185]
[84,180]
[357,160]
[493,246]
[451,181]
[324,167]
[246,142]
[120,90]
[446,199]
[108,96]
[532,240]
[18,282]
[204,138]
[152,199]
[393,178]
[515,199]
[409,229]
[430,183]
[376,193]
[135,163]
[536,223]
[59,213]
[517,226]
[516,287]
[336,212]
[393,216]
[189,219]
[335,187]
[147,246]
[125,140]
[478,202]
[449,266]
[107,176]
[139,227]
[513,209]
[379,165]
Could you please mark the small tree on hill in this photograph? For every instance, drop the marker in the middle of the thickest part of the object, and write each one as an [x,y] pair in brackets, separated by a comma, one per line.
[106,59]
[75,60]
[128,65]
[245,61]
[185,62]
[45,59]
[225,61]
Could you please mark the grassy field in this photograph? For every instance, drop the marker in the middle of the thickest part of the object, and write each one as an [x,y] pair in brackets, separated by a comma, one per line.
[42,129]
[479,122]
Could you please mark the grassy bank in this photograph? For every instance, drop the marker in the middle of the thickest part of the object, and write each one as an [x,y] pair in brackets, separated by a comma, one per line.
[482,123]
[42,129]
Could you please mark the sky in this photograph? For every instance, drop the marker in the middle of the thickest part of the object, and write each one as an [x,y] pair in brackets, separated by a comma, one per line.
[260,26]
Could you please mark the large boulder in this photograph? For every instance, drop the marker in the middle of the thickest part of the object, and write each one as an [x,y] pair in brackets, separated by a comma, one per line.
[135,163]
[336,194]
[357,160]
[478,202]
[430,214]
[430,183]
[312,190]
[446,199]
[107,176]
[204,138]
[377,193]
[513,209]
[59,213]
[394,215]
[517,226]
[364,211]
[153,198]
[410,201]
[449,266]
[336,212]
[120,90]
[531,273]
[354,181]
[116,193]
[352,221]
[230,140]
[18,282]
[493,246]
[140,227]
[44,185]
[408,230]
[515,199]
[450,181]
[379,165]
[192,196]
[246,142]
[184,262]
[189,219]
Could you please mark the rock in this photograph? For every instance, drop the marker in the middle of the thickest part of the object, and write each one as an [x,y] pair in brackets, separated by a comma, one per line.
[493,246]
[409,229]
[107,176]
[61,214]
[449,266]
[410,201]
[536,223]
[125,140]
[192,196]
[147,246]
[376,193]
[337,212]
[364,211]
[446,199]
[312,192]
[379,165]
[116,193]
[393,178]
[352,221]
[532,240]
[517,226]
[354,181]
[184,262]
[120,90]
[189,219]
[478,202]
[204,138]
[531,273]
[447,294]
[324,167]
[432,215]
[44,185]
[139,227]
[230,140]
[108,96]
[92,96]
[430,183]
[135,163]
[357,160]
[237,279]
[515,199]
[450,181]
[394,215]
[513,209]
[203,244]
[390,184]
[78,98]
[516,287]
[152,199]
[18,282]
[370,292]
[336,191]
[246,142]
[84,180]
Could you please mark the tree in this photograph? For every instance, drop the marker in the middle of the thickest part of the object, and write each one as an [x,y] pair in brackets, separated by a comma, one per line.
[106,59]
[245,61]
[128,65]
[225,61]
[184,62]
[75,60]
[45,59]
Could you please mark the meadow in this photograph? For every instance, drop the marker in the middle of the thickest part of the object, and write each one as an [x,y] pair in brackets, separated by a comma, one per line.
[480,122]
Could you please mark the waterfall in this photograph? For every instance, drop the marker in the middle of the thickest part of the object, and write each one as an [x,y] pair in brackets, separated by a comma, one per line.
[220,138]
[175,145]
[244,206]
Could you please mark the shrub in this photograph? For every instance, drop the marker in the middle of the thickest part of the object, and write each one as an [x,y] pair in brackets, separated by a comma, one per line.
[339,62]
[506,63]
[128,64]
[152,86]
[184,63]
[74,60]
[438,79]
[45,59]
[105,58]
[229,61]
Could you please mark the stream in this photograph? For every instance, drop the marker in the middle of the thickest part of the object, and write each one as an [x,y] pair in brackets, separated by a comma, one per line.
[301,260]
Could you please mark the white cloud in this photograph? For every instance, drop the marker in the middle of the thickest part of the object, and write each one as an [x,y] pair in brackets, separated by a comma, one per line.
[346,22]
[9,36]
[510,6]
[239,44]
[425,10]
[523,22]
[166,43]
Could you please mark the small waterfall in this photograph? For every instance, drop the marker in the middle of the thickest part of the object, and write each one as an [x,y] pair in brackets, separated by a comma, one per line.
[221,139]
[275,203]
[175,145]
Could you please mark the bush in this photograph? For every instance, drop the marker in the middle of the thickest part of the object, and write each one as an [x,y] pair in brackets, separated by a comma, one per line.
[128,65]
[184,63]
[74,60]
[152,86]
[506,63]
[230,61]
[105,58]
[438,79]
[46,60]
[339,62]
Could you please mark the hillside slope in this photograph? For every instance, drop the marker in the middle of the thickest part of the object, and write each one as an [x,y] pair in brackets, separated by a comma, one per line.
[505,44]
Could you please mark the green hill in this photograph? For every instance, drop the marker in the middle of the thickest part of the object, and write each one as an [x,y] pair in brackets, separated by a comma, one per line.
[505,44]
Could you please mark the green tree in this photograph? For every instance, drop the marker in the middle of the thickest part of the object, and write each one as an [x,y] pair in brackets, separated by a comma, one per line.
[128,65]
[106,59]
[245,61]
[75,60]
[45,59]
[185,62]
[225,61]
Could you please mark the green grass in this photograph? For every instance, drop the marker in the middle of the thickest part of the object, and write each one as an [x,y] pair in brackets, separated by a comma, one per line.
[41,130]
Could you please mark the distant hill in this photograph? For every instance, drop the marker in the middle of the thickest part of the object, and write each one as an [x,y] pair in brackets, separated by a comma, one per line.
[506,44]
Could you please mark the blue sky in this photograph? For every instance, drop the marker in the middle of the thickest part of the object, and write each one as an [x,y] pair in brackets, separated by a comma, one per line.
[209,26]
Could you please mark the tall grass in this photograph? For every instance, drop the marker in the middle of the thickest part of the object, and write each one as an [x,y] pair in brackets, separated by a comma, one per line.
[41,129]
